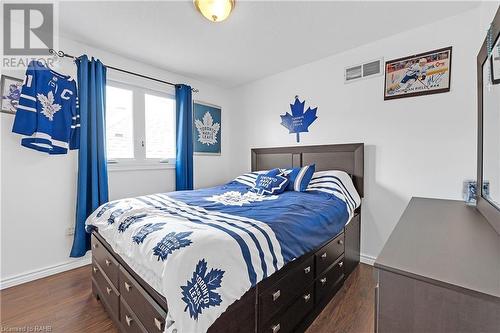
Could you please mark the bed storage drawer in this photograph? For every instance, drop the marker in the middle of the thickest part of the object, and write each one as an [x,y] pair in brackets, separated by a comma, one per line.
[291,317]
[282,293]
[151,316]
[329,280]
[107,292]
[105,260]
[129,320]
[329,253]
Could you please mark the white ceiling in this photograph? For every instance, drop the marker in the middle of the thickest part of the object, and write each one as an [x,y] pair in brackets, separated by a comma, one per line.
[260,38]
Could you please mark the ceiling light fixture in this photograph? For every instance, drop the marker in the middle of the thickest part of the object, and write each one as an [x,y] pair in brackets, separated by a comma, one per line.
[214,10]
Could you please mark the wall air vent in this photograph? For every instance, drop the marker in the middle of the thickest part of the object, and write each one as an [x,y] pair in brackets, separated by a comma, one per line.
[368,69]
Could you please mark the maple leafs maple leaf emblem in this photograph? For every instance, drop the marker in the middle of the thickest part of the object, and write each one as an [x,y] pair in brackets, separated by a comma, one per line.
[199,293]
[235,198]
[207,130]
[171,242]
[49,108]
[128,221]
[299,121]
[145,231]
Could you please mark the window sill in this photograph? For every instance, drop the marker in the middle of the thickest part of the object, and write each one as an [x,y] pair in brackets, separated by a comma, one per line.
[116,167]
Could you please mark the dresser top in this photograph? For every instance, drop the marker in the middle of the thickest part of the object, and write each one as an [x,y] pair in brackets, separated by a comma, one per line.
[444,242]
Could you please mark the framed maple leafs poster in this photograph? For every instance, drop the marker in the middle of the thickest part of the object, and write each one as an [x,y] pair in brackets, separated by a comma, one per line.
[11,91]
[207,129]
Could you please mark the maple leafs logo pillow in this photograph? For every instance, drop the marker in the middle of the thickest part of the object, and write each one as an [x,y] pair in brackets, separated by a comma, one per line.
[270,183]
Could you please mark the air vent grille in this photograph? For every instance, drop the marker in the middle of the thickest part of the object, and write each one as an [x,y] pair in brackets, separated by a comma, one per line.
[353,73]
[368,69]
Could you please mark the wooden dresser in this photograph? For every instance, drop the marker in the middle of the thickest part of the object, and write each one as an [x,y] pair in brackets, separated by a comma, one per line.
[439,271]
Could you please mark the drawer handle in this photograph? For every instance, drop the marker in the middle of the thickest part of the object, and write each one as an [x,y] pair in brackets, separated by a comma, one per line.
[276,295]
[323,281]
[307,297]
[129,320]
[158,324]
[323,256]
[276,328]
[94,246]
[307,269]
[127,286]
[109,290]
[341,264]
[94,269]
[108,262]
[341,242]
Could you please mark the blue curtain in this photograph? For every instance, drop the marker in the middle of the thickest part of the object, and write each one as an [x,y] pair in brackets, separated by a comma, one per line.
[92,165]
[184,159]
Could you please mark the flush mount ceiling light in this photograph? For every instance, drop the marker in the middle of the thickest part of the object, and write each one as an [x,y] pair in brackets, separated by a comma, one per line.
[214,10]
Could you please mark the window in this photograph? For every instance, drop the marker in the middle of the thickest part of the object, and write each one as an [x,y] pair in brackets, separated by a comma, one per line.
[119,123]
[140,126]
[160,129]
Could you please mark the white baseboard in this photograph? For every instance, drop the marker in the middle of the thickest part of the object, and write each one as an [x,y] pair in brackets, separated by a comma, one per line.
[43,272]
[366,259]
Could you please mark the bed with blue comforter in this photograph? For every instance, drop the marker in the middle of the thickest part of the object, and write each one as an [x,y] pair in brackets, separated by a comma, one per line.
[203,249]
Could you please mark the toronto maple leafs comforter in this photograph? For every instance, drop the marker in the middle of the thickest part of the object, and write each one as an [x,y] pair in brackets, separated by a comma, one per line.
[204,249]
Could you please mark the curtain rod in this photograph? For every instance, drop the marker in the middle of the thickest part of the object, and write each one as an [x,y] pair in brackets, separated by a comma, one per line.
[62,54]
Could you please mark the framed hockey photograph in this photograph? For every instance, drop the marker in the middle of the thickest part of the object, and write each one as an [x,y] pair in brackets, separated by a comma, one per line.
[207,121]
[11,92]
[495,62]
[419,74]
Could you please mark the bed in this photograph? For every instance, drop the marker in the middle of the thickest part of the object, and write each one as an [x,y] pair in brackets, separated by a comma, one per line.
[228,260]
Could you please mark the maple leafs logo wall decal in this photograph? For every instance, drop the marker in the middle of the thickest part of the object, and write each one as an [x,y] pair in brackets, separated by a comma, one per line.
[199,293]
[207,130]
[299,121]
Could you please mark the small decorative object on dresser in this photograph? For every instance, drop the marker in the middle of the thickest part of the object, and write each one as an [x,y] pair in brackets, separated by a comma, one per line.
[11,91]
[207,129]
[419,74]
[470,192]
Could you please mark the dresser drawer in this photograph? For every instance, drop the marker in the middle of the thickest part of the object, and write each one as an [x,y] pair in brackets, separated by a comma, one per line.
[149,313]
[107,292]
[129,320]
[329,253]
[105,260]
[329,280]
[292,316]
[283,292]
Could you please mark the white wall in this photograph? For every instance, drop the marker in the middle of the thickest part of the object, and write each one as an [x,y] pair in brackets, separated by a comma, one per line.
[38,191]
[420,146]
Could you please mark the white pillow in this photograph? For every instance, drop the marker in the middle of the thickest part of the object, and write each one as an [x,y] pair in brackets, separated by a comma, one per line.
[338,183]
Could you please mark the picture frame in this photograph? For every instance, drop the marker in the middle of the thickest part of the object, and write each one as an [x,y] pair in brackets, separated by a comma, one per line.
[10,89]
[495,62]
[207,129]
[419,74]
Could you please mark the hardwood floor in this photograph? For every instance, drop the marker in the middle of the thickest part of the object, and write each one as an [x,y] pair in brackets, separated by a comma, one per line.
[64,303]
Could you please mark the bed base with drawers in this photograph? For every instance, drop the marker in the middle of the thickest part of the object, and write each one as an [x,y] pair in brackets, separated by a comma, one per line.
[287,301]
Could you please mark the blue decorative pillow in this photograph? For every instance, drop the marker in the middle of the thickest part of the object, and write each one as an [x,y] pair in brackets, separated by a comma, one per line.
[270,183]
[299,178]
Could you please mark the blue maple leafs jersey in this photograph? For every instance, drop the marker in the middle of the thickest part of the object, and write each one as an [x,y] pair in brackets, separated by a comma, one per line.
[48,113]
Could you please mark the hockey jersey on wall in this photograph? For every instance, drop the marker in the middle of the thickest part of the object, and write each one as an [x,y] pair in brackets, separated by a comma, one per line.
[48,113]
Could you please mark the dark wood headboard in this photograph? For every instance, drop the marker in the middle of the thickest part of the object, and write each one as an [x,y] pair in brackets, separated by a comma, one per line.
[346,157]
